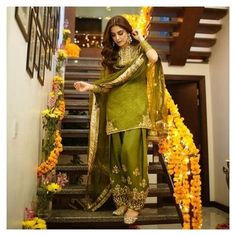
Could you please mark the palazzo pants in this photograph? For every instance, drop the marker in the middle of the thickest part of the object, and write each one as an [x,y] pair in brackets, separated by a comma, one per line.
[128,168]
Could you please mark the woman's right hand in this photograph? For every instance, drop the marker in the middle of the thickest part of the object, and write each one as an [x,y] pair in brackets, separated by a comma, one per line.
[82,86]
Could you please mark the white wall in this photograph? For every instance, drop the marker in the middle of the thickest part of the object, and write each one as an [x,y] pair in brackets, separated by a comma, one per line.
[26,98]
[219,74]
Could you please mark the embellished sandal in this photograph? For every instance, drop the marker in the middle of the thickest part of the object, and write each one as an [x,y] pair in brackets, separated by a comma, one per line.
[120,211]
[130,219]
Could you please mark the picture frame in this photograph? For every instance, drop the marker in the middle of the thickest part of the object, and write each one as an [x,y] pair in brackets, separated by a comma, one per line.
[42,61]
[31,45]
[37,49]
[40,18]
[48,49]
[22,16]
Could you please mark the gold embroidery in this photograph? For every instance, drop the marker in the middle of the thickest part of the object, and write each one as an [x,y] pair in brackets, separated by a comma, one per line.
[115,170]
[129,180]
[137,199]
[120,195]
[136,172]
[146,122]
[110,128]
[102,198]
[125,76]
[143,183]
[124,168]
[126,55]
[93,134]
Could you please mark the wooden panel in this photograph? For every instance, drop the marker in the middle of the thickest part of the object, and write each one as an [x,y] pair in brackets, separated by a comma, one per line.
[165,26]
[208,28]
[203,42]
[214,13]
[160,40]
[167,11]
[199,55]
[179,50]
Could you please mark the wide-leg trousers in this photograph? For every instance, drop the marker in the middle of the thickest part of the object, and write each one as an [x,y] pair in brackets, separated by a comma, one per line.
[129,168]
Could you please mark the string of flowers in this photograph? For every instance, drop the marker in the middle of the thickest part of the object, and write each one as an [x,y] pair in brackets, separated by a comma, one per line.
[182,159]
[49,182]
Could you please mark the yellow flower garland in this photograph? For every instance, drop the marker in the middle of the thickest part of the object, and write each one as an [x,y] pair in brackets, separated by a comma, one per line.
[52,160]
[35,223]
[182,159]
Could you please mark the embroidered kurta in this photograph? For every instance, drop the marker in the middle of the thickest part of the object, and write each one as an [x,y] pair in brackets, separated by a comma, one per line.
[123,102]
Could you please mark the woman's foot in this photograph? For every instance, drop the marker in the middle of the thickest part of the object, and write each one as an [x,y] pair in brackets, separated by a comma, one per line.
[120,211]
[130,216]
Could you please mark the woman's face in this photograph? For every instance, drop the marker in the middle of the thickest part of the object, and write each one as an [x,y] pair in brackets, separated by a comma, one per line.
[119,36]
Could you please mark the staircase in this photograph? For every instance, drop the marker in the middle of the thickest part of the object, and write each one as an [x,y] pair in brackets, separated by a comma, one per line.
[68,212]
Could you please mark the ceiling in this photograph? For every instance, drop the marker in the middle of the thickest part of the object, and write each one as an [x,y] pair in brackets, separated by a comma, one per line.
[185,34]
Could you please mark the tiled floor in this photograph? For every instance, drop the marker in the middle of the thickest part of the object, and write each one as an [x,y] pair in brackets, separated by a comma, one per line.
[212,217]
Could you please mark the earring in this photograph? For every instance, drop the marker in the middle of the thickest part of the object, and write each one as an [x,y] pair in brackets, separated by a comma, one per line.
[113,44]
[130,38]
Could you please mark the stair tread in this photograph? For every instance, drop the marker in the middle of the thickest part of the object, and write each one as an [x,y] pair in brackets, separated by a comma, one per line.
[72,131]
[69,167]
[74,148]
[146,215]
[154,189]
[76,102]
[76,117]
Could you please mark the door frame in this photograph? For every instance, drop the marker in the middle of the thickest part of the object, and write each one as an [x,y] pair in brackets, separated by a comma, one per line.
[200,80]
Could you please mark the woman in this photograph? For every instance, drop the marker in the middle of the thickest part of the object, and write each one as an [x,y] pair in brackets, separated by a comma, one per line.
[127,101]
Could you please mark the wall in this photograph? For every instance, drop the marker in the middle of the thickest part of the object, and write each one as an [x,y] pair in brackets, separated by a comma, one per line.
[96,12]
[26,98]
[219,74]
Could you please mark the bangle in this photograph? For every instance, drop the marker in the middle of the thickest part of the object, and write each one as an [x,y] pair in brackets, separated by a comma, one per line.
[145,46]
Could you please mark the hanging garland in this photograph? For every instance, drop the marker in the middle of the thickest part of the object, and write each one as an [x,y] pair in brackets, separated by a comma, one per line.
[182,159]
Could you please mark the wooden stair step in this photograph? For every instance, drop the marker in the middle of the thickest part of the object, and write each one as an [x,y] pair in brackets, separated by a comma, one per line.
[76,168]
[76,119]
[72,93]
[90,60]
[74,133]
[76,104]
[75,150]
[82,67]
[159,190]
[105,219]
[81,75]
[152,169]
[69,84]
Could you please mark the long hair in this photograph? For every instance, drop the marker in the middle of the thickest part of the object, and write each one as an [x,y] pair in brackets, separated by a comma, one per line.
[110,50]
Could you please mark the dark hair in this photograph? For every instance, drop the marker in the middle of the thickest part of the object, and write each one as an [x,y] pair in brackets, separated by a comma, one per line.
[110,52]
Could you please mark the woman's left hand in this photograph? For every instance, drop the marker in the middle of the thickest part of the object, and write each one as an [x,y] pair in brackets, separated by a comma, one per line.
[136,33]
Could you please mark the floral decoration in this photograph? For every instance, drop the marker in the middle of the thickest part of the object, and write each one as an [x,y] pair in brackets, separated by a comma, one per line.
[31,221]
[182,159]
[141,21]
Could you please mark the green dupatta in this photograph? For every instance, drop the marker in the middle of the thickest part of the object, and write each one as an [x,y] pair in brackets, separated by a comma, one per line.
[98,184]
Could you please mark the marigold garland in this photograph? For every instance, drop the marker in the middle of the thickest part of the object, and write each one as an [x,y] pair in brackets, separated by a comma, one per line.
[141,21]
[52,160]
[182,159]
[52,115]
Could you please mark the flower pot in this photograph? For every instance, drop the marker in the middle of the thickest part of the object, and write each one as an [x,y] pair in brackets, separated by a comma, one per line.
[44,208]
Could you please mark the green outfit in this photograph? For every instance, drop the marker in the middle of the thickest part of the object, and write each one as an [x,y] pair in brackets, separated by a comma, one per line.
[125,105]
